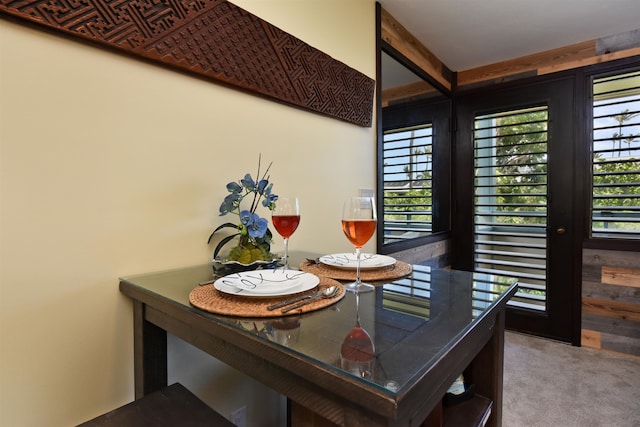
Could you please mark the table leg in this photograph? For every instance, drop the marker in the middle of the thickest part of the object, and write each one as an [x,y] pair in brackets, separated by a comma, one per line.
[486,370]
[150,353]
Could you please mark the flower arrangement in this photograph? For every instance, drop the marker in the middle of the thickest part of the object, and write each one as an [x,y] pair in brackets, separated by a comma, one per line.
[253,231]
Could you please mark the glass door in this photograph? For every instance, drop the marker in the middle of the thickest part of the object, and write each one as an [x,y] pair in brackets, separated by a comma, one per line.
[515,158]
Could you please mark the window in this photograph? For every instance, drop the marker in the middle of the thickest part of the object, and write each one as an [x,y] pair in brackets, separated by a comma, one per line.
[615,208]
[407,183]
[413,186]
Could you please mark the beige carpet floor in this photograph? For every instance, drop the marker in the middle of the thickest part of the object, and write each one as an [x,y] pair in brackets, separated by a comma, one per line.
[552,384]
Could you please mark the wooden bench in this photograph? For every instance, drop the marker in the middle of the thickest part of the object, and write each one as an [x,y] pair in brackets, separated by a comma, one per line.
[168,407]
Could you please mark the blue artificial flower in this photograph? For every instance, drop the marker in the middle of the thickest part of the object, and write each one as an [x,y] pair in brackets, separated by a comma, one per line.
[259,228]
[248,182]
[269,199]
[246,218]
[229,203]
[261,185]
[234,187]
[251,225]
[256,226]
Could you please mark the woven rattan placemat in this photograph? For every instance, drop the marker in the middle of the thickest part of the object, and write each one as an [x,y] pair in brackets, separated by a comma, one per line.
[212,300]
[395,271]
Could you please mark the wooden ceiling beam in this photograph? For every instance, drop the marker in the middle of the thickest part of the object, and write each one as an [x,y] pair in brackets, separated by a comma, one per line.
[397,36]
[408,91]
[551,61]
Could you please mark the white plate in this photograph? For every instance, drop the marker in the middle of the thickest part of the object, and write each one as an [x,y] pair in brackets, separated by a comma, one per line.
[348,261]
[266,283]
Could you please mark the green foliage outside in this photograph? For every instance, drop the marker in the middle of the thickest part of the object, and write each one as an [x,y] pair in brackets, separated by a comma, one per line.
[405,200]
[616,185]
[520,166]
[414,195]
[620,179]
[616,179]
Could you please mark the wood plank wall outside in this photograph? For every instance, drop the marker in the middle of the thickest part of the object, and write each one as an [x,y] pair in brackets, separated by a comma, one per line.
[611,301]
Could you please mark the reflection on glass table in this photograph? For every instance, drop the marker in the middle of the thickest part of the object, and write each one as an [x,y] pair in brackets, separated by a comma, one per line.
[357,353]
[398,331]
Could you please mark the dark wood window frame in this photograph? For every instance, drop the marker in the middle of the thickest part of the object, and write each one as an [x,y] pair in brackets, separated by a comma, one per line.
[411,114]
[588,74]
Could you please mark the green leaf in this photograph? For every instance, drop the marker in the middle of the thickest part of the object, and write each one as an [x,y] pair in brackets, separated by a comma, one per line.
[223,242]
[225,225]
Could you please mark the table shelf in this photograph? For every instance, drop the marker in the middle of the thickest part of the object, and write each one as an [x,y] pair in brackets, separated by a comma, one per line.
[473,413]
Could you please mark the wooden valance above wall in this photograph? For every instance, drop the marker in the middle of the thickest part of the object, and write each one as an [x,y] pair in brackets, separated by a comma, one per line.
[216,40]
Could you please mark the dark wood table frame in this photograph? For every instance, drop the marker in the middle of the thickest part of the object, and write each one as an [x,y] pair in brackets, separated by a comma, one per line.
[335,397]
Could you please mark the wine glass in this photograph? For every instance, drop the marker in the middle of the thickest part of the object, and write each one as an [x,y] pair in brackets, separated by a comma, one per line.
[359,224]
[286,217]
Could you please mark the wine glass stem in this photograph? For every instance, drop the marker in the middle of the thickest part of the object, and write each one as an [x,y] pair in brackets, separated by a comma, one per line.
[358,267]
[286,253]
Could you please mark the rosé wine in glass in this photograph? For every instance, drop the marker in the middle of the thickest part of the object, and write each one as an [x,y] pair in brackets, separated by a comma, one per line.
[286,218]
[358,224]
[359,231]
[285,225]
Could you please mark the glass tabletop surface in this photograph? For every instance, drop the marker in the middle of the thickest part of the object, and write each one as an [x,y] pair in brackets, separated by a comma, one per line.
[385,338]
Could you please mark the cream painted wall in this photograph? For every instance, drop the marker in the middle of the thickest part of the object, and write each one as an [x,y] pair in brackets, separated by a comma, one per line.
[111,166]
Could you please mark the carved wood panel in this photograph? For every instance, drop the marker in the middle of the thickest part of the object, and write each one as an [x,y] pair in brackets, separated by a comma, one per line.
[214,39]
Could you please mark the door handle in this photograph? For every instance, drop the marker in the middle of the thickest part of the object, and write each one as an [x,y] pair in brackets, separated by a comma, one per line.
[561,230]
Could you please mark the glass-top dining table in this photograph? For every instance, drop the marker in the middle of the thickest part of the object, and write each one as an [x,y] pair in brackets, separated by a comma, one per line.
[414,336]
